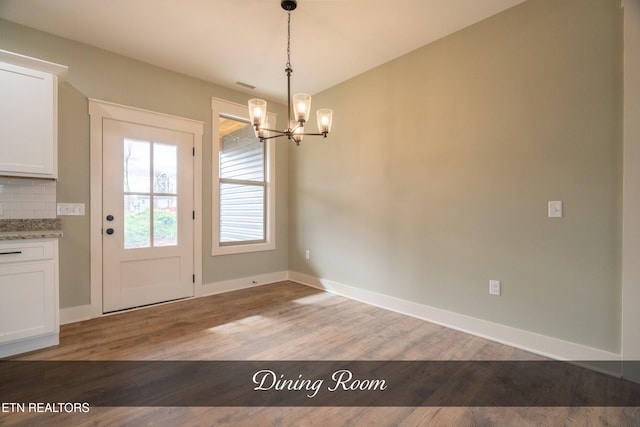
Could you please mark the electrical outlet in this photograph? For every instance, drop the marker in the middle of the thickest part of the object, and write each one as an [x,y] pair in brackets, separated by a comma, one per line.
[494,287]
[307,254]
[555,209]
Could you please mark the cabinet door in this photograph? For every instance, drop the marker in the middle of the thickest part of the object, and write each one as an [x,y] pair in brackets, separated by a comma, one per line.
[28,122]
[27,300]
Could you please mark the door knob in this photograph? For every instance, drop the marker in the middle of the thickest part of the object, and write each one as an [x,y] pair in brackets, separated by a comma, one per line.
[109,217]
[110,231]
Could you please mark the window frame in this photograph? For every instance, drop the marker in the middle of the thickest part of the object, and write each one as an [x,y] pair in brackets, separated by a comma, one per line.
[228,109]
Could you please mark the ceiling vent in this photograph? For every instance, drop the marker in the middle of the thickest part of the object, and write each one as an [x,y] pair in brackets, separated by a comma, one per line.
[246,85]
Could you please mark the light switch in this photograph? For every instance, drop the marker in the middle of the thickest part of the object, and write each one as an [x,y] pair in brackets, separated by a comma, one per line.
[555,209]
[70,209]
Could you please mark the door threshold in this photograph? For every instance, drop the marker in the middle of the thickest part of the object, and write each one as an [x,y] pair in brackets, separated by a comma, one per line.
[140,307]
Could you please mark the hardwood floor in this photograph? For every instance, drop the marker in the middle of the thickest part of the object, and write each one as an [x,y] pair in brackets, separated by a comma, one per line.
[288,321]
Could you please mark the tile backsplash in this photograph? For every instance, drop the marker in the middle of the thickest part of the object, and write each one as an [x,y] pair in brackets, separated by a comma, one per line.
[23,198]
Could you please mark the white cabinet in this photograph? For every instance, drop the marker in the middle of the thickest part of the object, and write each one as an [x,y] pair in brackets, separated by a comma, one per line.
[28,295]
[28,116]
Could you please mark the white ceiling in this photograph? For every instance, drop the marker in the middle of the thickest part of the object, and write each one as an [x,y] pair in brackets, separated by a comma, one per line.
[226,41]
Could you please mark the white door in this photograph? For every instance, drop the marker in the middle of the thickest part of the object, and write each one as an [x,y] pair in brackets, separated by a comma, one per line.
[148,210]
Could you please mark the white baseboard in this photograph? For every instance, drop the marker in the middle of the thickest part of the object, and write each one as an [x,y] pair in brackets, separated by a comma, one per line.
[530,341]
[75,314]
[243,283]
[29,344]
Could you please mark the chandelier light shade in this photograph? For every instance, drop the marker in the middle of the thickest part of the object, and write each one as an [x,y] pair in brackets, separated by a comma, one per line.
[325,116]
[301,103]
[263,133]
[257,112]
[301,106]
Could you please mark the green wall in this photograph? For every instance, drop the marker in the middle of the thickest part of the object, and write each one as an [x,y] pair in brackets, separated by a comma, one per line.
[95,73]
[440,165]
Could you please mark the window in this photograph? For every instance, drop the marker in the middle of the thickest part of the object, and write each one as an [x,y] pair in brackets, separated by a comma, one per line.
[243,183]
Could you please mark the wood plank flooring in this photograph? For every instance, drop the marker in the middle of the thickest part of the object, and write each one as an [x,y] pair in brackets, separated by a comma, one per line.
[289,321]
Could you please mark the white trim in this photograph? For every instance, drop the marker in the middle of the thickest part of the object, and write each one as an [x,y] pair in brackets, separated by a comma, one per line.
[219,106]
[34,63]
[75,314]
[244,283]
[197,206]
[535,343]
[138,115]
[98,110]
[29,344]
[631,191]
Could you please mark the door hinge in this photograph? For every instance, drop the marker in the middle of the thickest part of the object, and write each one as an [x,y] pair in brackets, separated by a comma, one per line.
[194,214]
[194,278]
[194,151]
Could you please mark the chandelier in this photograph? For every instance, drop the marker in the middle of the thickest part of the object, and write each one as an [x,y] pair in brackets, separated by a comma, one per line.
[301,103]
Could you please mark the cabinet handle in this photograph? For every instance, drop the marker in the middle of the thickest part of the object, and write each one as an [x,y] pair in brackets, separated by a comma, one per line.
[11,253]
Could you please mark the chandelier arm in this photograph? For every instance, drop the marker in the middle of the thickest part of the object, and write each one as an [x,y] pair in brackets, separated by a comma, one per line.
[296,128]
[270,130]
[293,132]
[324,134]
[264,138]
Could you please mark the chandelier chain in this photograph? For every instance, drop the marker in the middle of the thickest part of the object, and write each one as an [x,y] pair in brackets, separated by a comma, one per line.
[288,40]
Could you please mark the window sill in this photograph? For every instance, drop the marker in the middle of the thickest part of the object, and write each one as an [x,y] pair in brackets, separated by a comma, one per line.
[242,249]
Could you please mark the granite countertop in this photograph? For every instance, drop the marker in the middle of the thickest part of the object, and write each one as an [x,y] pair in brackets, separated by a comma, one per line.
[20,229]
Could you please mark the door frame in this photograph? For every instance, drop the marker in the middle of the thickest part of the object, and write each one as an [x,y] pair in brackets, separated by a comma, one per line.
[631,194]
[98,110]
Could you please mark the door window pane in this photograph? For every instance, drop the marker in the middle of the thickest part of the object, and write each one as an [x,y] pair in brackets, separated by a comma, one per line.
[137,166]
[165,168]
[137,222]
[151,214]
[165,221]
